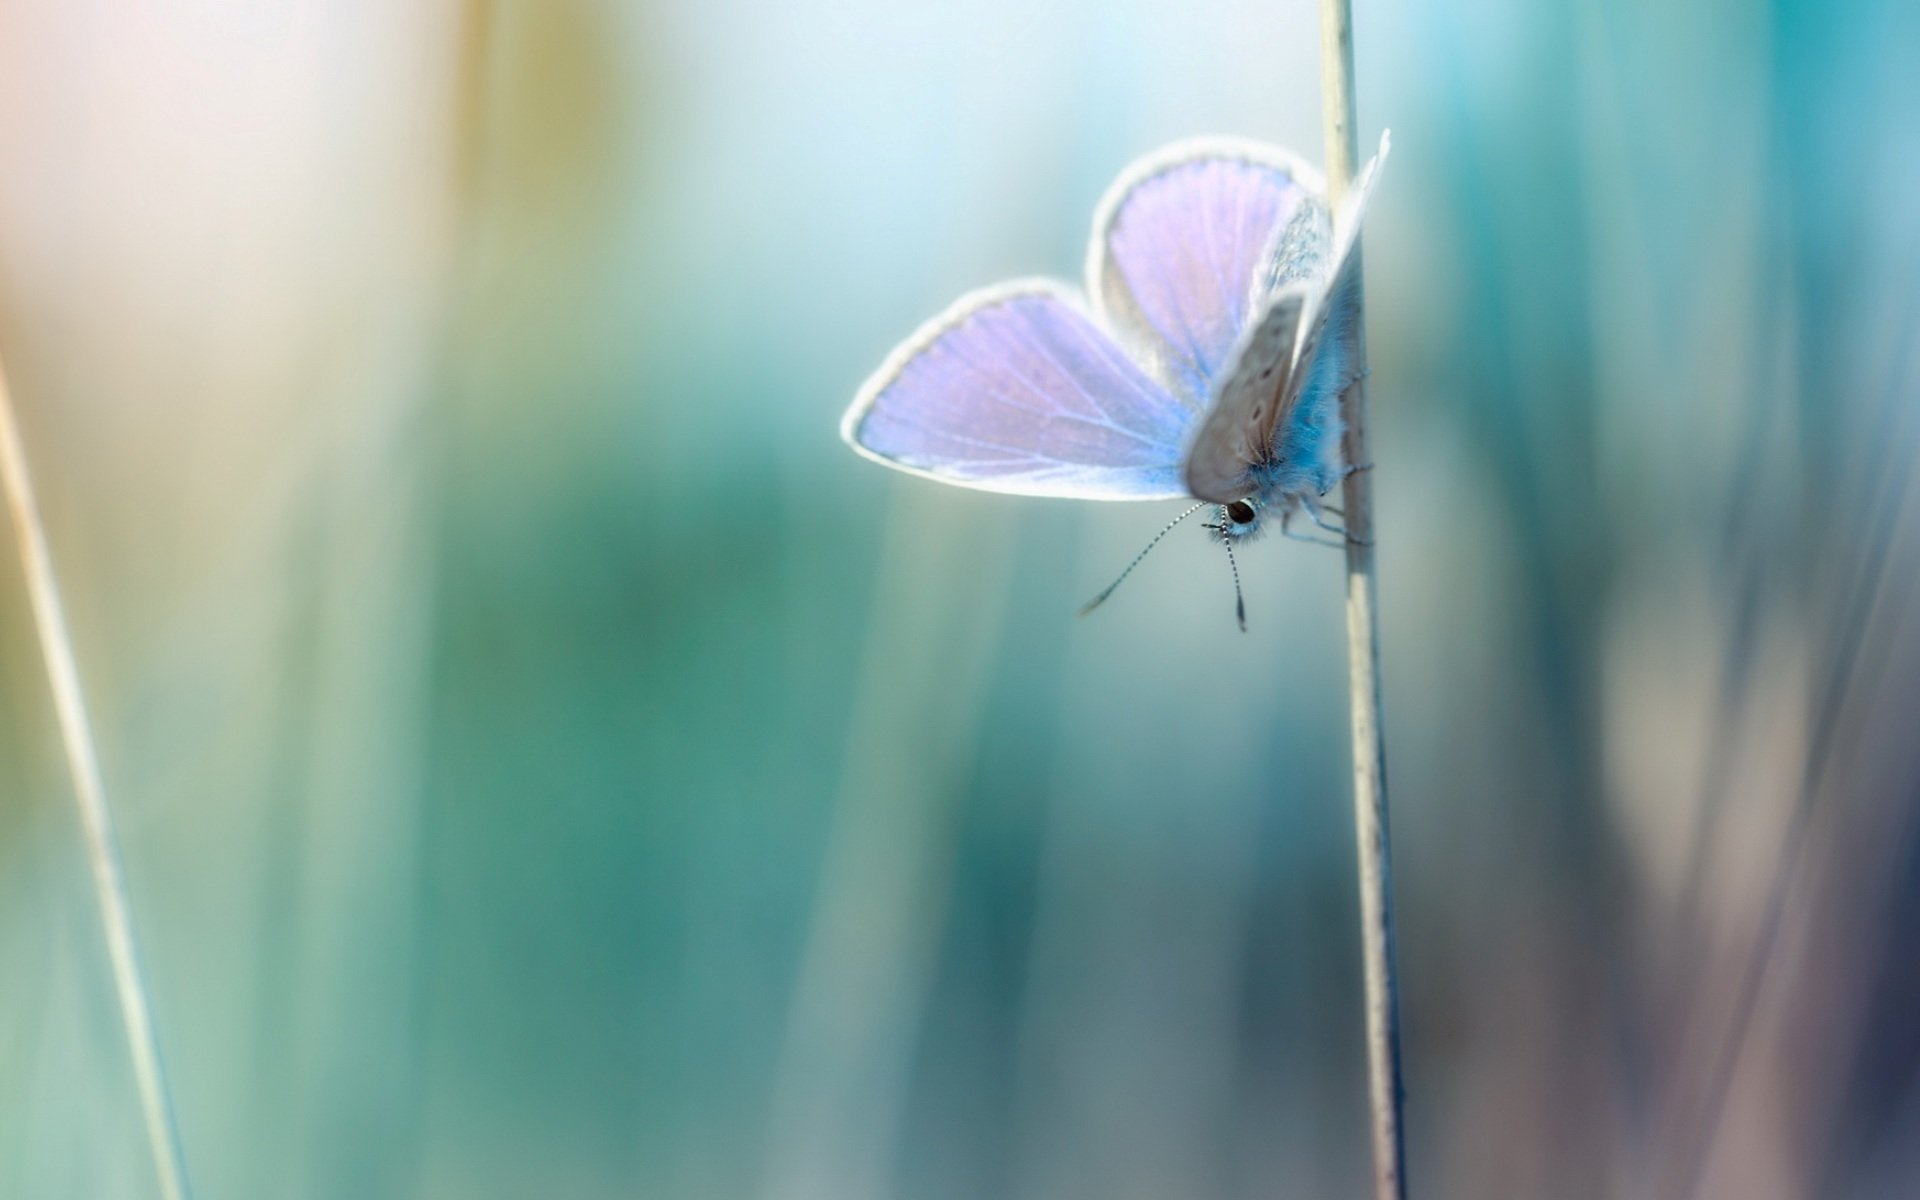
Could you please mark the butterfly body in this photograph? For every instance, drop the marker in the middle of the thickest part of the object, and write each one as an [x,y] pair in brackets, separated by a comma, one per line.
[1206,363]
[1303,462]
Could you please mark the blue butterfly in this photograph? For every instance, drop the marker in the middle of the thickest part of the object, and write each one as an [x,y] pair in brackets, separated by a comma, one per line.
[1209,366]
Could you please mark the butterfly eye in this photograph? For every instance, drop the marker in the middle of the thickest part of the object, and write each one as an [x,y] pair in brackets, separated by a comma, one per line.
[1240,512]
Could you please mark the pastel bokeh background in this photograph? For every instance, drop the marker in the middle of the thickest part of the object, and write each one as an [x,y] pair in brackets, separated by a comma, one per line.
[549,764]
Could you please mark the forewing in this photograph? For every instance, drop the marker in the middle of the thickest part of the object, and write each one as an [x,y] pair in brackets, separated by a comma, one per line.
[1183,252]
[1238,429]
[1346,223]
[1333,307]
[1281,358]
[1015,389]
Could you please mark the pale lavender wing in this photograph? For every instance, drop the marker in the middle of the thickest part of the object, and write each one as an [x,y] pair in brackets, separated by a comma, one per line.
[1183,248]
[1015,389]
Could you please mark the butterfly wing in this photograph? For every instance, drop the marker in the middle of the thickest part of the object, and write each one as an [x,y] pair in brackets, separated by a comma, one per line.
[1334,307]
[1183,252]
[1255,398]
[1238,428]
[1015,389]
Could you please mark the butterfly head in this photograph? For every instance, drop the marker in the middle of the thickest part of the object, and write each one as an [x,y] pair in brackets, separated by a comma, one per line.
[1238,520]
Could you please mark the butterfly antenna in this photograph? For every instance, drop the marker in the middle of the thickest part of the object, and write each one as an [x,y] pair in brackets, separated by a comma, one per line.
[1094,603]
[1239,601]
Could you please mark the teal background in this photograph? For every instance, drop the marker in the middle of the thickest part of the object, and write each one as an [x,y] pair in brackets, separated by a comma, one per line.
[550,764]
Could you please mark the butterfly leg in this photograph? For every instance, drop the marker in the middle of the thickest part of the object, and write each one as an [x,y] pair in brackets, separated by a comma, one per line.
[1314,509]
[1285,520]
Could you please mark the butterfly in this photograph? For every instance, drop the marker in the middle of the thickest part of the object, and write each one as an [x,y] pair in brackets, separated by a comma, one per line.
[1205,363]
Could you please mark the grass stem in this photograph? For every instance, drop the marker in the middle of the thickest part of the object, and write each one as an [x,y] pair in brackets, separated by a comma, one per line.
[1363,658]
[96,820]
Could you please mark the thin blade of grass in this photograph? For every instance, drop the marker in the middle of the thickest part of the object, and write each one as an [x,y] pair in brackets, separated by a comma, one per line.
[96,819]
[1363,656]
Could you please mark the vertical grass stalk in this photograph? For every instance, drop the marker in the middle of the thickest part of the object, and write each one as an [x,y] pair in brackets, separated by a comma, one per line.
[96,821]
[1363,658]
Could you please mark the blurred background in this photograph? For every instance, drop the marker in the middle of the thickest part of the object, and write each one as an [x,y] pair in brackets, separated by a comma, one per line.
[550,764]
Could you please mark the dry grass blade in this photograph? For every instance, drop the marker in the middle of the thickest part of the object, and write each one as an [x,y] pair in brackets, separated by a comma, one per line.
[96,821]
[1363,658]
